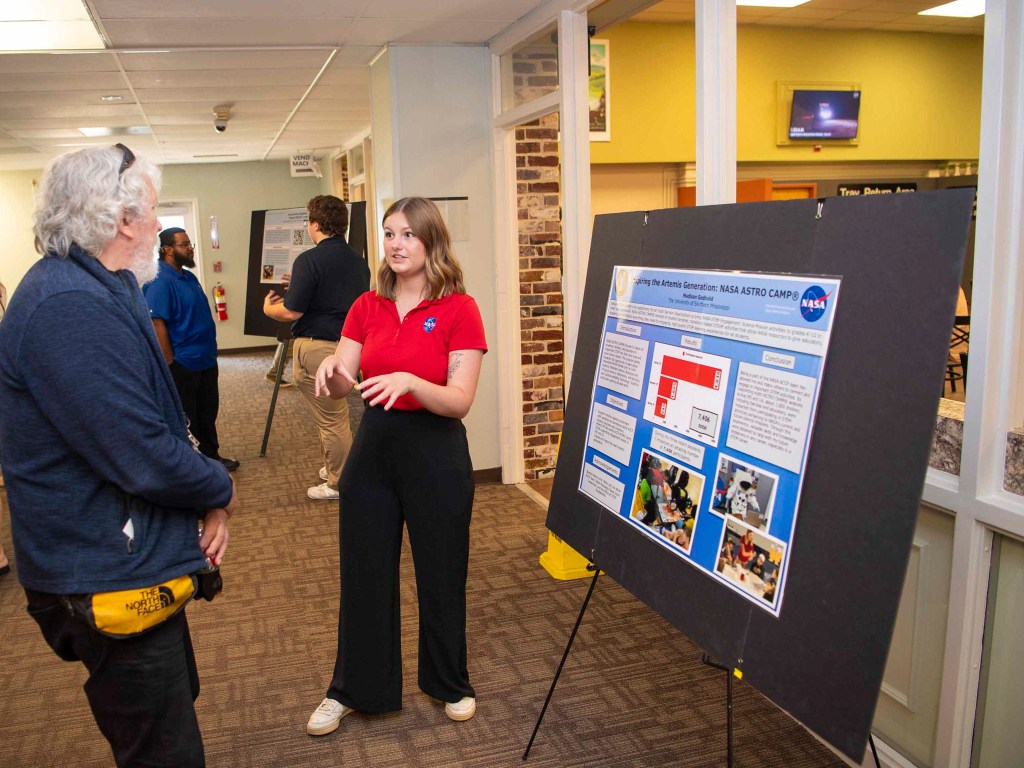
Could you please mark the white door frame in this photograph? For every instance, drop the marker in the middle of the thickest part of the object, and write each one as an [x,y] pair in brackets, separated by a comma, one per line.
[569,100]
[188,207]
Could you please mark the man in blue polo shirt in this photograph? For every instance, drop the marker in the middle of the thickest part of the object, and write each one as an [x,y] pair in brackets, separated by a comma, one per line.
[184,327]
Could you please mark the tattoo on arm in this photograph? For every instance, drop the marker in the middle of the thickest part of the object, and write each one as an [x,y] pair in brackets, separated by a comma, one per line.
[454,362]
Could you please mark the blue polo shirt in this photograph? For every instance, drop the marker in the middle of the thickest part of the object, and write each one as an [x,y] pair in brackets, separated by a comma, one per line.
[178,299]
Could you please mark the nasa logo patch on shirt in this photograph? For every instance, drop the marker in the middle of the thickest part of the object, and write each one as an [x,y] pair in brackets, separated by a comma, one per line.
[429,323]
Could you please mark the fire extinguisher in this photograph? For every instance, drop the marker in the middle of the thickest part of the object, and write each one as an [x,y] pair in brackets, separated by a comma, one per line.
[221,302]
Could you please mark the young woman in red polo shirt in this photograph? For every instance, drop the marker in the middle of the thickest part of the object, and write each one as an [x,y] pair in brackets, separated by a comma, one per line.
[419,341]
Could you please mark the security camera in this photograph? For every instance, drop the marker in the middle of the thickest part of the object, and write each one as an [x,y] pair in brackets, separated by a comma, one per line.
[220,117]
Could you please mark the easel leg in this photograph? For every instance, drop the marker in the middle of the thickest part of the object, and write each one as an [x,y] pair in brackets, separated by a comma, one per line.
[568,647]
[706,659]
[874,751]
[282,354]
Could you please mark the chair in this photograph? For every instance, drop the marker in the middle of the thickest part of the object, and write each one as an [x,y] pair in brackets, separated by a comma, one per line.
[959,341]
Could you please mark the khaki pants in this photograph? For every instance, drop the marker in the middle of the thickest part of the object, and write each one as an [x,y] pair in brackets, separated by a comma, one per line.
[331,416]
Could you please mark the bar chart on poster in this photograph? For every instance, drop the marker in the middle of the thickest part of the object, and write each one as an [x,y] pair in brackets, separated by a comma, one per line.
[685,391]
[703,411]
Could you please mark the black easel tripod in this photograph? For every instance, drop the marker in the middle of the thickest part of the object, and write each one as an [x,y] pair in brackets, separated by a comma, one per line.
[568,647]
[705,658]
[282,361]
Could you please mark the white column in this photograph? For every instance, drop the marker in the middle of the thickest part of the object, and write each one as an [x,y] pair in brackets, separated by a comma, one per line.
[716,101]
[574,124]
[995,400]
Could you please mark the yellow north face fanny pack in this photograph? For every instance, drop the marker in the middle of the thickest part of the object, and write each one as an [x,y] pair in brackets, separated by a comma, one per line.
[134,611]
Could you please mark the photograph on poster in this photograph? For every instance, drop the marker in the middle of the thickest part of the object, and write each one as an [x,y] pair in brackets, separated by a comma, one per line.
[667,499]
[744,491]
[750,562]
[693,363]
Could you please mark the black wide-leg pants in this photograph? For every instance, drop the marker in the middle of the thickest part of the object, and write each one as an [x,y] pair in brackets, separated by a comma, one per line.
[411,468]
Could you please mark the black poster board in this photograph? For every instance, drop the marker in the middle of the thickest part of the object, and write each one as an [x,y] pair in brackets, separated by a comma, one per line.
[258,324]
[900,260]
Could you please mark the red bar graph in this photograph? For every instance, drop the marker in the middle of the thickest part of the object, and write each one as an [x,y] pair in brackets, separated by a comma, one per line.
[694,373]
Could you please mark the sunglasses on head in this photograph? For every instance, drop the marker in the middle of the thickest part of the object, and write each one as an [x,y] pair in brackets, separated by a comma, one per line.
[127,158]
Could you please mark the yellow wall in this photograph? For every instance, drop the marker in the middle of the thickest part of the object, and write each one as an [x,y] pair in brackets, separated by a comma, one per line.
[921,93]
[634,187]
[653,95]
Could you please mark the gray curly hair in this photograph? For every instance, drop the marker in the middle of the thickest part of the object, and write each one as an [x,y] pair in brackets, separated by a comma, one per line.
[83,198]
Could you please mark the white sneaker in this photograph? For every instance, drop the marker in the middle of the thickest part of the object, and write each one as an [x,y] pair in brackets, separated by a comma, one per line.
[323,473]
[461,710]
[322,492]
[326,717]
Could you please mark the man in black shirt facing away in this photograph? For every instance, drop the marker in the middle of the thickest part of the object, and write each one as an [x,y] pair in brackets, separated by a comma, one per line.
[324,282]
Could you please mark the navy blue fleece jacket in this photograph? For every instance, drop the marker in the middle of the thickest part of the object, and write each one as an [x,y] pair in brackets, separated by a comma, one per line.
[92,436]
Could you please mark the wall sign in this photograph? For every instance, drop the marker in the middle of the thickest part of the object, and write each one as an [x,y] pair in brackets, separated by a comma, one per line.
[852,190]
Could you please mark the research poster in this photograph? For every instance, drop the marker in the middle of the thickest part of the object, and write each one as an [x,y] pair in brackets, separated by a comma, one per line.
[284,237]
[702,414]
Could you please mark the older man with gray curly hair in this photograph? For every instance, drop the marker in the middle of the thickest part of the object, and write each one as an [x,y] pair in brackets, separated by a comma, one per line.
[106,490]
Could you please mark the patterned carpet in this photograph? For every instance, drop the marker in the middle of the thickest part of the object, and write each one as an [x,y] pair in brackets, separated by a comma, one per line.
[633,692]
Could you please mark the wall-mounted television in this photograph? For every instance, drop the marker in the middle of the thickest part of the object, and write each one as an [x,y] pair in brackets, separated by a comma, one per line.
[824,115]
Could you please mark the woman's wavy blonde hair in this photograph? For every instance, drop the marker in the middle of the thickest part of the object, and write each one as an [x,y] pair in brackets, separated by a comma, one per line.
[444,275]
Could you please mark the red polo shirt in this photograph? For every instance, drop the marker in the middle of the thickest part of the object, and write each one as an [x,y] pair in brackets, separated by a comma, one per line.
[418,345]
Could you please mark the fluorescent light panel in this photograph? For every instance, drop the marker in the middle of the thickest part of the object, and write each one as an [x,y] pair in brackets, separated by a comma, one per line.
[43,10]
[47,25]
[961,9]
[131,130]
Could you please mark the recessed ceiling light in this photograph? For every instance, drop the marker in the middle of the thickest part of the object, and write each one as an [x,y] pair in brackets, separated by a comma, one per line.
[112,97]
[130,130]
[962,9]
[772,3]
[28,25]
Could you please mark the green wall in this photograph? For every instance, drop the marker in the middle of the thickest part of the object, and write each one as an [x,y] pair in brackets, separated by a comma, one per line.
[229,191]
[921,93]
[16,206]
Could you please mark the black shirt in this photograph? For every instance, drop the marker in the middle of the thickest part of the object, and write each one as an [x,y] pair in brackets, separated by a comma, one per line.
[325,281]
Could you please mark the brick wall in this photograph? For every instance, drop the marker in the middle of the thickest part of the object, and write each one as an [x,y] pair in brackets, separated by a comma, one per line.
[534,72]
[345,191]
[540,292]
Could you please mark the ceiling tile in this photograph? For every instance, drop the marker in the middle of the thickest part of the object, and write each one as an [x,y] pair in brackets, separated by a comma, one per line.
[214,96]
[193,33]
[382,31]
[223,60]
[222,78]
[229,9]
[53,81]
[507,11]
[53,62]
[48,108]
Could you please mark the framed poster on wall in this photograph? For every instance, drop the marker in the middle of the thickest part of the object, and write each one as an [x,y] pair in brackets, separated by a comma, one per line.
[598,93]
